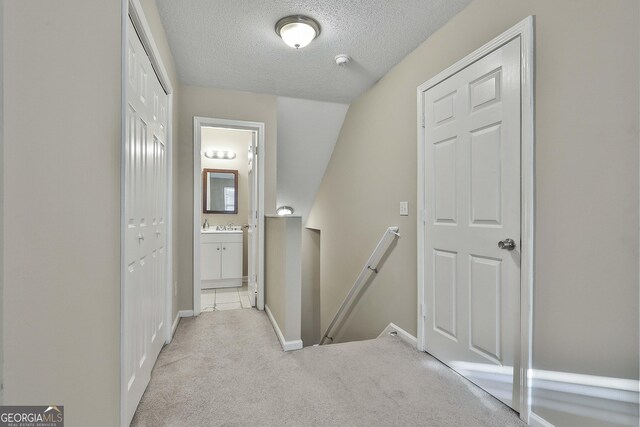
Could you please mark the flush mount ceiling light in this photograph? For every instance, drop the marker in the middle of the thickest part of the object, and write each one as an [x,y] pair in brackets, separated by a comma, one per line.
[342,59]
[220,154]
[284,210]
[297,30]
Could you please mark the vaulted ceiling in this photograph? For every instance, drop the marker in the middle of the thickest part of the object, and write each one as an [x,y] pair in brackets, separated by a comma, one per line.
[232,44]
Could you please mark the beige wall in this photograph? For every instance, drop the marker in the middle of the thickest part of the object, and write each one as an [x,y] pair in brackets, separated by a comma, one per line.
[60,345]
[283,275]
[586,292]
[221,104]
[62,105]
[274,283]
[1,203]
[238,142]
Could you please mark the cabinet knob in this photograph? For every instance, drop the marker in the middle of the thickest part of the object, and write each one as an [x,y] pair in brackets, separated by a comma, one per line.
[224,249]
[217,249]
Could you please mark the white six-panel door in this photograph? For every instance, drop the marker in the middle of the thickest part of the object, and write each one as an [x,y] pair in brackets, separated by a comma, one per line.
[146,229]
[472,198]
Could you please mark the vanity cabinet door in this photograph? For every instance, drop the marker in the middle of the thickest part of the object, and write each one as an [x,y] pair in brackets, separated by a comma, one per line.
[210,260]
[231,260]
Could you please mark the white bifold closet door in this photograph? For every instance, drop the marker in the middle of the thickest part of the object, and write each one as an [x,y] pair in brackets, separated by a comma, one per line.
[145,216]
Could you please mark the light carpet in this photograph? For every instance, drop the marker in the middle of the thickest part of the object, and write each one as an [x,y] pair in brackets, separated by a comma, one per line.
[227,368]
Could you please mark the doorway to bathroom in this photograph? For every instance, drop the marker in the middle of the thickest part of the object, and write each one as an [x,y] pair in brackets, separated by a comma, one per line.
[228,215]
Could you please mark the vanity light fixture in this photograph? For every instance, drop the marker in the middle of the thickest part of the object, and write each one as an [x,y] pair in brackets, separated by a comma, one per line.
[297,30]
[220,154]
[284,210]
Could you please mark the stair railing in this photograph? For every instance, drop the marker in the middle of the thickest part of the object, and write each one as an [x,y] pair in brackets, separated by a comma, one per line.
[370,267]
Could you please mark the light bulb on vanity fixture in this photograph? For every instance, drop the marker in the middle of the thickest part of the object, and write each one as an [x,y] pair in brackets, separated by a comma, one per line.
[297,30]
[220,154]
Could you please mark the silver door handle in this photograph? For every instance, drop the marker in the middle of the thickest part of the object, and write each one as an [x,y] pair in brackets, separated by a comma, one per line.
[507,244]
[140,236]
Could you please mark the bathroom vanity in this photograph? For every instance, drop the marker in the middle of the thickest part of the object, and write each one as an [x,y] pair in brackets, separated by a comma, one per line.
[220,258]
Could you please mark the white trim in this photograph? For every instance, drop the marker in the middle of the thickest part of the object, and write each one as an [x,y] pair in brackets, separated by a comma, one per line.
[123,159]
[197,208]
[133,9]
[259,128]
[525,30]
[175,324]
[146,36]
[527,173]
[536,420]
[185,313]
[402,334]
[286,345]
[421,220]
[169,286]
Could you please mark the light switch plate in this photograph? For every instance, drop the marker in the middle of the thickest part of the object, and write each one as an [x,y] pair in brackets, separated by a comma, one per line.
[404,208]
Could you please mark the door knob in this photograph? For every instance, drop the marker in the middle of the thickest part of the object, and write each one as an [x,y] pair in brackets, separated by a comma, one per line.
[507,244]
[140,236]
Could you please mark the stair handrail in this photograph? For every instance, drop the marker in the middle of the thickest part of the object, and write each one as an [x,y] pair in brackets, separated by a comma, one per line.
[370,267]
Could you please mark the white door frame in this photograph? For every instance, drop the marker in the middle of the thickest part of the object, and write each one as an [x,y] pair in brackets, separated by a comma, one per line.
[525,31]
[133,9]
[258,127]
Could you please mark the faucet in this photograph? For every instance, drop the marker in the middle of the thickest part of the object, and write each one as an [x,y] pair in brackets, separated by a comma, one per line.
[205,226]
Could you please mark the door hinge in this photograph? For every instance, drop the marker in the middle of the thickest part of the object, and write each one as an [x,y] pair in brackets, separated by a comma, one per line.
[255,150]
[424,310]
[424,216]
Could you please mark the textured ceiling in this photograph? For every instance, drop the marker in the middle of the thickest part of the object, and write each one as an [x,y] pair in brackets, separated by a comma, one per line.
[231,44]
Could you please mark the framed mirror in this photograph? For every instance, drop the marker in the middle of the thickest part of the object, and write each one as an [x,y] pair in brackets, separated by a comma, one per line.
[219,191]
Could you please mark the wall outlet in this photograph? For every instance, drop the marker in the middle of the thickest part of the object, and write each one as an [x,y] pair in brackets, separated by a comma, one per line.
[404,208]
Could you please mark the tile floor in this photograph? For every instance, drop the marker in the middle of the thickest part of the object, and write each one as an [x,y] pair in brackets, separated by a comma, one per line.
[225,299]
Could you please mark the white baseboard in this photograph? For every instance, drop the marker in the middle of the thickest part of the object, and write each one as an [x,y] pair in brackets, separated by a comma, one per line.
[402,334]
[175,324]
[286,345]
[537,421]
